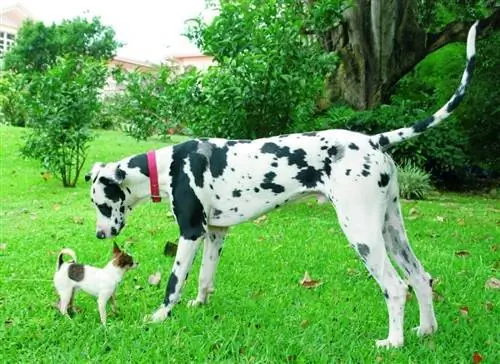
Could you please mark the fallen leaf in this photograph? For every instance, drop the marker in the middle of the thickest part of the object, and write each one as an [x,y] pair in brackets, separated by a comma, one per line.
[33,216]
[46,175]
[488,306]
[438,297]
[307,282]
[461,222]
[138,287]
[260,219]
[378,359]
[56,207]
[8,322]
[493,283]
[170,249]
[439,218]
[464,310]
[413,211]
[78,220]
[304,323]
[494,247]
[3,246]
[154,279]
[462,253]
[476,358]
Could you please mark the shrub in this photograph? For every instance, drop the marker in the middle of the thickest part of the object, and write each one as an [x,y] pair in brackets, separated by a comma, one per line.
[12,99]
[63,106]
[414,182]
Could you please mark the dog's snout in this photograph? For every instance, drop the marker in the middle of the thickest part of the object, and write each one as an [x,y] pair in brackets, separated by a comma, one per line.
[100,234]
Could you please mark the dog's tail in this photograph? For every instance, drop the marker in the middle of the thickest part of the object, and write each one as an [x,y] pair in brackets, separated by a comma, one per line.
[60,260]
[398,135]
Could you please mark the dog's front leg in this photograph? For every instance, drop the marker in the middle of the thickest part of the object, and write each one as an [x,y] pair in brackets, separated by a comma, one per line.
[186,252]
[101,304]
[211,254]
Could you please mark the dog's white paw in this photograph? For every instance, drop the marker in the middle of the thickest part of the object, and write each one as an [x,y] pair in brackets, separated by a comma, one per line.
[389,343]
[159,315]
[424,330]
[195,303]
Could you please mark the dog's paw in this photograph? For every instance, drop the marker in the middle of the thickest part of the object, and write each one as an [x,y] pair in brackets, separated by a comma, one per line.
[425,330]
[195,303]
[159,315]
[389,343]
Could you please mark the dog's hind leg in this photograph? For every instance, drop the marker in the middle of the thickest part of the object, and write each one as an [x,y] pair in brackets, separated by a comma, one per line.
[361,218]
[212,250]
[186,252]
[64,300]
[398,246]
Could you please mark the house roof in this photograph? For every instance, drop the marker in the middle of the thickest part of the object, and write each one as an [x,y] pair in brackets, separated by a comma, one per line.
[17,9]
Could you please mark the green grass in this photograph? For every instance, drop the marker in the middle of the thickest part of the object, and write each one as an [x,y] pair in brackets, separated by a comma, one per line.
[259,312]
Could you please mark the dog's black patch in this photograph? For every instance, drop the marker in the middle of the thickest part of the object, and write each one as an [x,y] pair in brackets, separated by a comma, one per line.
[120,174]
[220,251]
[296,157]
[310,133]
[105,209]
[373,145]
[274,164]
[218,161]
[309,177]
[383,140]
[217,197]
[187,207]
[365,173]
[283,135]
[217,213]
[235,209]
[172,283]
[384,180]
[404,254]
[268,184]
[198,164]
[324,147]
[231,143]
[421,125]
[76,272]
[386,294]
[364,250]
[236,193]
[112,191]
[394,199]
[353,146]
[327,166]
[256,190]
[347,172]
[139,161]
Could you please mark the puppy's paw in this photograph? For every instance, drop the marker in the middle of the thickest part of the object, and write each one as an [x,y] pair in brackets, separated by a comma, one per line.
[195,303]
[425,330]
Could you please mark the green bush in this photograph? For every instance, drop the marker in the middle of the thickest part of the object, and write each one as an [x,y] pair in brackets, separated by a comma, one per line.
[414,182]
[12,99]
[63,106]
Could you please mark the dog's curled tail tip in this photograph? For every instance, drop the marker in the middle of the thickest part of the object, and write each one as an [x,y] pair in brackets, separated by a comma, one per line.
[67,251]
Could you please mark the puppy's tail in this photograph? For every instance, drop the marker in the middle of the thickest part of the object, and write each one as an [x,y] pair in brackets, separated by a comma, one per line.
[395,136]
[60,260]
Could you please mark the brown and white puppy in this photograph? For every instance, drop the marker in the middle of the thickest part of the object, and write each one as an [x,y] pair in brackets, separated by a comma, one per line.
[99,282]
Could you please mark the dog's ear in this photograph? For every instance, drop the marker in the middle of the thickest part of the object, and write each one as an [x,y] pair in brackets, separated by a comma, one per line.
[95,168]
[116,248]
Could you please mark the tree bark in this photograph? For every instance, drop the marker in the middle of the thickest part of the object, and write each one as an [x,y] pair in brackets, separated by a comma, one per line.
[380,41]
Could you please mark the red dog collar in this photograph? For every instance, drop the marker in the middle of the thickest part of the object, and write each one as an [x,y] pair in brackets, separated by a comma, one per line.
[153,177]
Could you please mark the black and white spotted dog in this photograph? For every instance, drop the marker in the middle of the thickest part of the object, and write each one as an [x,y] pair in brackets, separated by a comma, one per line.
[213,184]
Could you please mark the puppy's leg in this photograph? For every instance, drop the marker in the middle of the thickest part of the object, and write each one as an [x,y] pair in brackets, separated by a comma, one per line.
[113,302]
[398,246]
[64,300]
[101,304]
[212,250]
[186,252]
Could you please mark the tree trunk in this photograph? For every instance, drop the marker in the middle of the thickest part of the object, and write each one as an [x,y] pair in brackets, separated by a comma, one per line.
[380,41]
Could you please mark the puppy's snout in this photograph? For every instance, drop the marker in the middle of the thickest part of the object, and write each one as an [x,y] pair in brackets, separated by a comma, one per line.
[100,234]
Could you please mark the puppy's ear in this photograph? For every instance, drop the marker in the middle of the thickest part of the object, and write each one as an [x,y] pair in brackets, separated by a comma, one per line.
[116,248]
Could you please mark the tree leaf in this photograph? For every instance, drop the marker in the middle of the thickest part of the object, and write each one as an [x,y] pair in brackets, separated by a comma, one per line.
[493,283]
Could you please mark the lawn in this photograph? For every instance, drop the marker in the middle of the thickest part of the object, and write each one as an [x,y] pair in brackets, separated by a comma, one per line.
[259,313]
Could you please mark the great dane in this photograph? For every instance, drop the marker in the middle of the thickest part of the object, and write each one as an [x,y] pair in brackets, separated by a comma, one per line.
[214,183]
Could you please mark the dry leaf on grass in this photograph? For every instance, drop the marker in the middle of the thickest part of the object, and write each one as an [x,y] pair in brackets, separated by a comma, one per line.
[307,282]
[154,279]
[439,218]
[170,249]
[45,175]
[3,246]
[78,220]
[476,358]
[488,306]
[56,207]
[493,283]
[462,253]
[464,310]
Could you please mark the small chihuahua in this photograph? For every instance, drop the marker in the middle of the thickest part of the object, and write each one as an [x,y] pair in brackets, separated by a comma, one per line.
[99,282]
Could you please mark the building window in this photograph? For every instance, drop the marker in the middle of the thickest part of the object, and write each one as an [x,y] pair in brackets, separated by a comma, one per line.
[6,41]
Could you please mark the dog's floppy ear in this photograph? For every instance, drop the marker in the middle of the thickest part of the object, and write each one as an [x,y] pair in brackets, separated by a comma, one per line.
[116,248]
[95,168]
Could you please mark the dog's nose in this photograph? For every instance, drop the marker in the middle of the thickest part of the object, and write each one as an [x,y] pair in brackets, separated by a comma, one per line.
[100,235]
